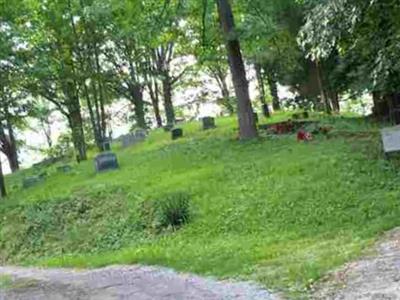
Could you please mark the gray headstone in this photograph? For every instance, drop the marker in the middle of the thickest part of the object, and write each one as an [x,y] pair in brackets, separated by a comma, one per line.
[176,133]
[208,123]
[105,162]
[391,139]
[64,169]
[106,145]
[129,140]
[141,134]
[32,181]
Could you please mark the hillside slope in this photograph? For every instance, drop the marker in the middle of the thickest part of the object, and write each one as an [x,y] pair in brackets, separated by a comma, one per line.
[274,210]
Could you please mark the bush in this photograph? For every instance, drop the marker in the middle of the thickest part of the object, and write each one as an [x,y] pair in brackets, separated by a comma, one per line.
[170,211]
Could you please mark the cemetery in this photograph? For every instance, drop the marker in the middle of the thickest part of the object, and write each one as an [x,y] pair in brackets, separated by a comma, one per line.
[191,149]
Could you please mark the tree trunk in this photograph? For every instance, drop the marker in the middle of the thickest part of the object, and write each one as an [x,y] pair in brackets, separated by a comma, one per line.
[381,109]
[13,161]
[78,136]
[273,88]
[102,120]
[247,124]
[13,154]
[169,107]
[226,97]
[324,97]
[8,148]
[3,191]
[93,119]
[335,102]
[155,101]
[260,79]
[137,99]
[46,128]
[220,77]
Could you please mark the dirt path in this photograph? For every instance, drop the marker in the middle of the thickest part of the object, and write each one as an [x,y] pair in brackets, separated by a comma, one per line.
[376,277]
[136,282]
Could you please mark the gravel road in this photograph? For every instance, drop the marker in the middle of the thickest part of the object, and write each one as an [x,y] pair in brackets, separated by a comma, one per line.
[133,282]
[374,277]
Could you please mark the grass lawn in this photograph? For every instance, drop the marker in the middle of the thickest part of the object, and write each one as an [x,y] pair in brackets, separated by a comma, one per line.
[273,210]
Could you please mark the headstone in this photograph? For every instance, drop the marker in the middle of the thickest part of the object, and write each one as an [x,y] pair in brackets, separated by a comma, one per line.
[128,140]
[176,133]
[140,134]
[133,138]
[208,123]
[265,109]
[64,169]
[32,181]
[179,120]
[391,139]
[106,145]
[106,161]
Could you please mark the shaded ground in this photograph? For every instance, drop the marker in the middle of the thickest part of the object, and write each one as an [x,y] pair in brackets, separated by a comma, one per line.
[136,282]
[376,277]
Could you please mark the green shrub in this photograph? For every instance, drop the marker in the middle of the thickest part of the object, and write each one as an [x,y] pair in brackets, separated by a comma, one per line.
[169,211]
[173,210]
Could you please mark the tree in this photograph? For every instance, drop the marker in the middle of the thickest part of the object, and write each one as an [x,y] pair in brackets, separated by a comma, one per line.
[209,50]
[247,124]
[3,191]
[261,86]
[52,70]
[360,35]
[12,100]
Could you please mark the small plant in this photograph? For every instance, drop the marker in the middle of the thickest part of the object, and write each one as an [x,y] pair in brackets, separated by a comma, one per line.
[170,211]
[173,210]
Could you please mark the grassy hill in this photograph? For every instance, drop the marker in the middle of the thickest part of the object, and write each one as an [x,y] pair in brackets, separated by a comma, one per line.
[273,210]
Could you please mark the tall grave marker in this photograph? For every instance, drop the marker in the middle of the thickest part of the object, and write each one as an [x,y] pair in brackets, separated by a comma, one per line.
[391,139]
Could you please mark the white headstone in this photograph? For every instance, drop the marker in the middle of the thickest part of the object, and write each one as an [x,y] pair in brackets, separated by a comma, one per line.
[391,139]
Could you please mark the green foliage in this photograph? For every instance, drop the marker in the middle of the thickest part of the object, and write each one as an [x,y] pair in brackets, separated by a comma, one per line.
[173,210]
[362,32]
[63,147]
[169,211]
[88,221]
